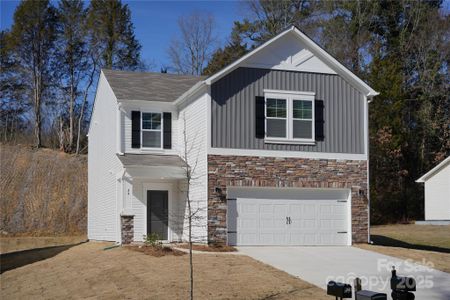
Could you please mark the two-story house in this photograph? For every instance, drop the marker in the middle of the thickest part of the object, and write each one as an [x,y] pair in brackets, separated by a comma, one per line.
[277,143]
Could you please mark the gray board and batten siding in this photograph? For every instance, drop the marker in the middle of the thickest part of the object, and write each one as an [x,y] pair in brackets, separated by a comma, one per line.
[233,110]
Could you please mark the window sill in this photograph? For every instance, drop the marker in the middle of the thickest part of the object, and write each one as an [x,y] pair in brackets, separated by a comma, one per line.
[149,150]
[289,142]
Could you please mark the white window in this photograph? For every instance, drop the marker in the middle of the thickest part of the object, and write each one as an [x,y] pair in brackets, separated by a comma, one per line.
[276,118]
[151,130]
[289,117]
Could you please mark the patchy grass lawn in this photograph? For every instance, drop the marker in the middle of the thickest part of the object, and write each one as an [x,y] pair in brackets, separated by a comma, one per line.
[440,261]
[11,244]
[415,235]
[421,243]
[87,270]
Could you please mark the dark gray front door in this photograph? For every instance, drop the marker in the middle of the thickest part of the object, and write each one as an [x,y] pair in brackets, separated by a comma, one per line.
[158,213]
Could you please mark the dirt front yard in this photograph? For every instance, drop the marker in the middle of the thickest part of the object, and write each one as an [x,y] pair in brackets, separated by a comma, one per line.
[423,244]
[89,271]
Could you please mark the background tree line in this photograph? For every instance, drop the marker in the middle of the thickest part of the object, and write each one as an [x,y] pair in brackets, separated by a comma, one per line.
[50,61]
[51,57]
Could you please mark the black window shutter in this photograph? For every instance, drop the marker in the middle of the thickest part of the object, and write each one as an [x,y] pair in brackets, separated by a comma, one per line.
[167,134]
[259,117]
[135,129]
[319,120]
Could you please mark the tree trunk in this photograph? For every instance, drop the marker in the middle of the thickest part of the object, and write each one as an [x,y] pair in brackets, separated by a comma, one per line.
[71,116]
[37,119]
[189,172]
[191,265]
[86,92]
[61,134]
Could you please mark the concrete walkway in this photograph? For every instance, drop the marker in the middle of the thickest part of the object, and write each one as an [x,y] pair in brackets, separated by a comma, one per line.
[318,265]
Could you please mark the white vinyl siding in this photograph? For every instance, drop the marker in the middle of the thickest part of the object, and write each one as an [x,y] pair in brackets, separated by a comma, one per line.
[437,195]
[103,166]
[193,117]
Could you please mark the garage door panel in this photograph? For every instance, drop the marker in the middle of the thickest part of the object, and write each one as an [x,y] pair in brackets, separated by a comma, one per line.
[326,224]
[248,224]
[313,222]
[310,239]
[309,224]
[297,239]
[248,238]
[309,209]
[266,208]
[249,208]
[340,225]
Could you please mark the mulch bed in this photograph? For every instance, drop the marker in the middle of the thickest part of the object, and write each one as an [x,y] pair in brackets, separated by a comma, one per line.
[156,251]
[209,248]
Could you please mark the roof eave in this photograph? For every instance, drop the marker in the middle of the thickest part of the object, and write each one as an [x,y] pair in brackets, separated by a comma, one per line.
[335,64]
[433,171]
[195,88]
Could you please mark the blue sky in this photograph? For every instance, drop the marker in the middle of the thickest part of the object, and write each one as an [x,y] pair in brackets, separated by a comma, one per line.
[156,22]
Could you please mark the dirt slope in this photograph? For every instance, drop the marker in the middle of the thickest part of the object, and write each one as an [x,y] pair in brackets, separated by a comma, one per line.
[42,192]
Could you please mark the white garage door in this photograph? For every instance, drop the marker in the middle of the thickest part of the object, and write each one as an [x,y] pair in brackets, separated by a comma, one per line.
[259,221]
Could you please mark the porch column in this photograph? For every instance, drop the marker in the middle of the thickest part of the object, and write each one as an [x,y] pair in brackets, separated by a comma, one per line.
[127,228]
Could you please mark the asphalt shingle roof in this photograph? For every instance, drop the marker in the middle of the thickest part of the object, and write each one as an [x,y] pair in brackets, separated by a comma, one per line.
[149,86]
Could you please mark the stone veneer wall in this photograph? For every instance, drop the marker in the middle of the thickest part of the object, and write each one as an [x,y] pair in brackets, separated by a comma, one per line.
[127,227]
[253,171]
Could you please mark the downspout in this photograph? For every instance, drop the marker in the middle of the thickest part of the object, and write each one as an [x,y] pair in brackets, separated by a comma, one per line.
[369,100]
[119,178]
[119,129]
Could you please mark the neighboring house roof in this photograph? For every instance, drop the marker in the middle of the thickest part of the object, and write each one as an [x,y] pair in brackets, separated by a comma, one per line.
[150,160]
[149,86]
[435,170]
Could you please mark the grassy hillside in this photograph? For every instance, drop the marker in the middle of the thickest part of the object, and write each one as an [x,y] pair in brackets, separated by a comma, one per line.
[42,192]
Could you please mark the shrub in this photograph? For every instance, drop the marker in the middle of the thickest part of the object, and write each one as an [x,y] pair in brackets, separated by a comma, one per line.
[153,240]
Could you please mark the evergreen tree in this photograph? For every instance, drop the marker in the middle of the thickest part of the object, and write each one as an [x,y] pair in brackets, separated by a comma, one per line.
[270,17]
[223,57]
[13,92]
[32,42]
[112,34]
[408,59]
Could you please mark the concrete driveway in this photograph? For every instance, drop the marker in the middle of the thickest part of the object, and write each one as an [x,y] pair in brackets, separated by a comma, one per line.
[318,265]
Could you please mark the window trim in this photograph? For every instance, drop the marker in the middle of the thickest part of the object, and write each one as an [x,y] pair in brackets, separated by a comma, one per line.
[290,96]
[276,118]
[152,130]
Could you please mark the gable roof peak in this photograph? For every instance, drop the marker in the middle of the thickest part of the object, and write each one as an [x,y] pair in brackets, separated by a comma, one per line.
[314,48]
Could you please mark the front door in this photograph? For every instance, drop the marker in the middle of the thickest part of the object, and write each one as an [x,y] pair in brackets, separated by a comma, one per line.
[158,213]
